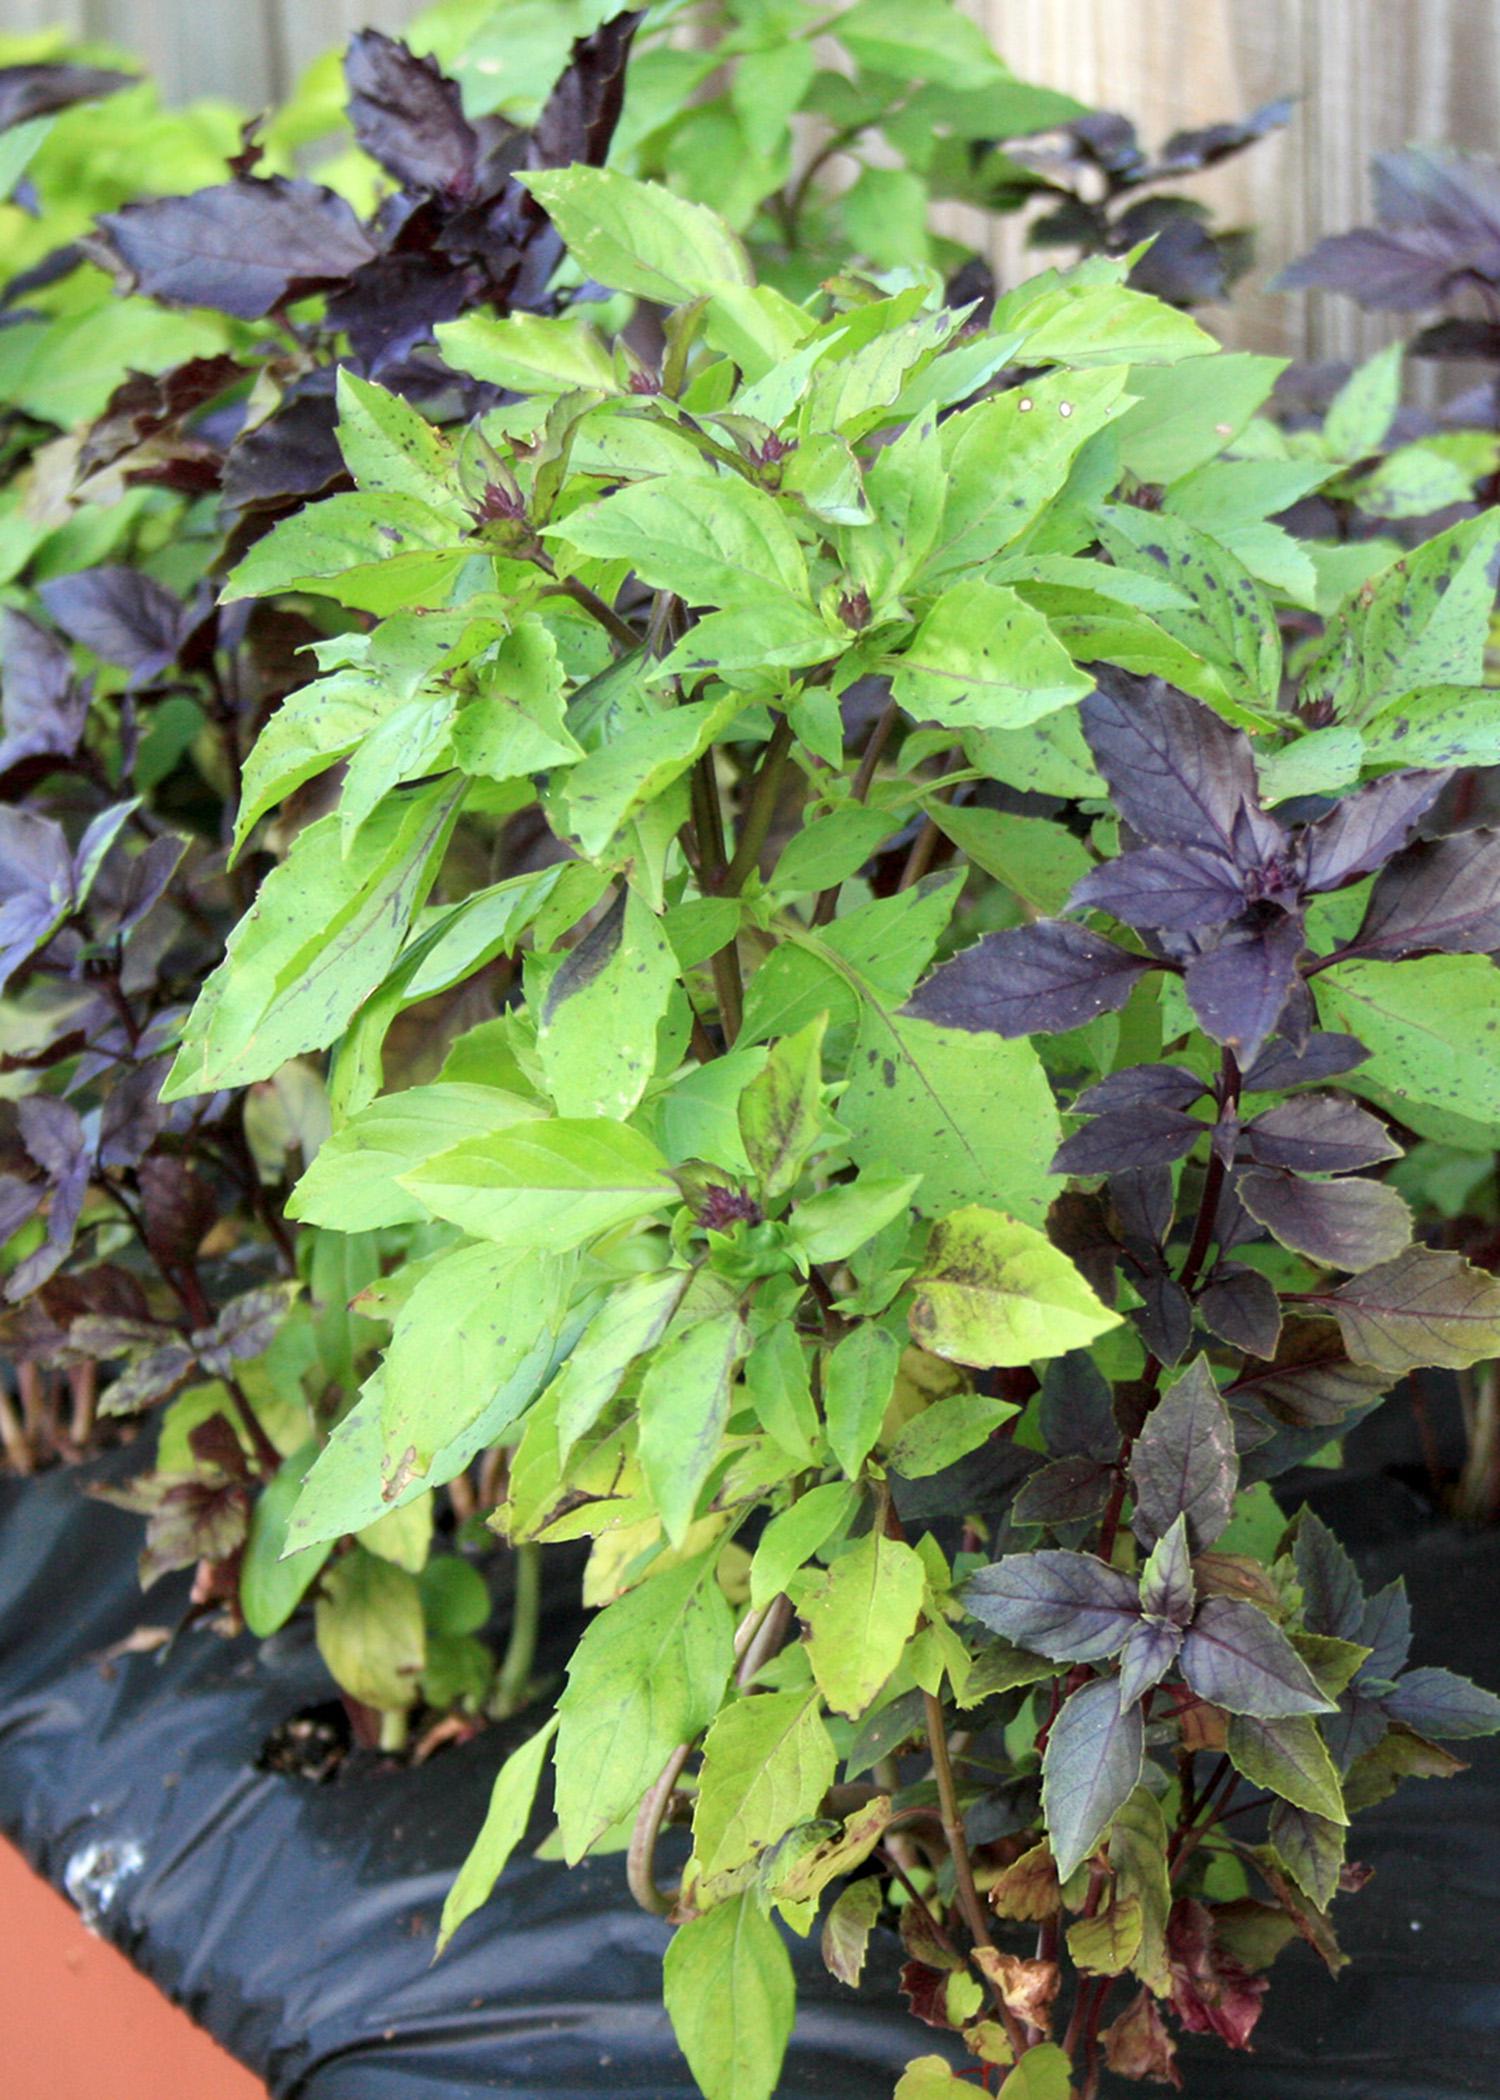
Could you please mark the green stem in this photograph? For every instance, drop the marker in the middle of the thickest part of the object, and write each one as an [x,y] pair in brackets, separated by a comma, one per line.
[395,1729]
[514,1680]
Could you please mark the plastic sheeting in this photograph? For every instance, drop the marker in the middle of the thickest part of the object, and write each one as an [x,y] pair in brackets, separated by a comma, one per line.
[296,1921]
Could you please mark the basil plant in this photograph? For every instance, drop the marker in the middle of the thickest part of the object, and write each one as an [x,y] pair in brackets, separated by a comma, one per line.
[932,917]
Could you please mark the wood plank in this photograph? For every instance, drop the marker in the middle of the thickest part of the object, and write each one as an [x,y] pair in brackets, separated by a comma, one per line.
[1170,64]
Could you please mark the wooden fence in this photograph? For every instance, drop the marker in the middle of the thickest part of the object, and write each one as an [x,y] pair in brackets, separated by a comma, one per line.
[1369,74]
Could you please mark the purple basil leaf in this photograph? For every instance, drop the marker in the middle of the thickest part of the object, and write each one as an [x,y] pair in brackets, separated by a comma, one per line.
[1438,1703]
[1441,896]
[93,848]
[1068,1606]
[1177,774]
[242,247]
[1075,1412]
[42,706]
[1386,1631]
[1309,1846]
[1319,1134]
[54,1136]
[1164,1317]
[1235,1658]
[1367,827]
[1349,1225]
[149,1378]
[1239,989]
[1149,1652]
[248,1325]
[578,119]
[1311,1383]
[1065,1492]
[145,879]
[1399,272]
[1184,1462]
[1129,1137]
[395,302]
[122,614]
[1241,1307]
[293,454]
[132,1116]
[36,885]
[1091,1767]
[1185,151]
[1355,1730]
[36,91]
[1460,336]
[1030,980]
[1281,1065]
[1160,1086]
[1168,889]
[1333,1597]
[1167,1587]
[19,1200]
[1144,1208]
[408,116]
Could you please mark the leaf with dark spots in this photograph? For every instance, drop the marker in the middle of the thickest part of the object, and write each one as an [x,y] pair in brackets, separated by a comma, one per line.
[1184,1462]
[1091,1767]
[1319,1134]
[1177,774]
[1150,1651]
[1129,1137]
[43,707]
[1439,1703]
[1076,1410]
[1340,1224]
[1066,1492]
[1311,1382]
[408,116]
[1240,988]
[1441,896]
[1235,1658]
[1070,1607]
[1169,889]
[122,614]
[242,248]
[1367,827]
[1422,1308]
[1159,1086]
[1031,980]
[1323,1056]
[1241,1307]
[582,964]
[38,90]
